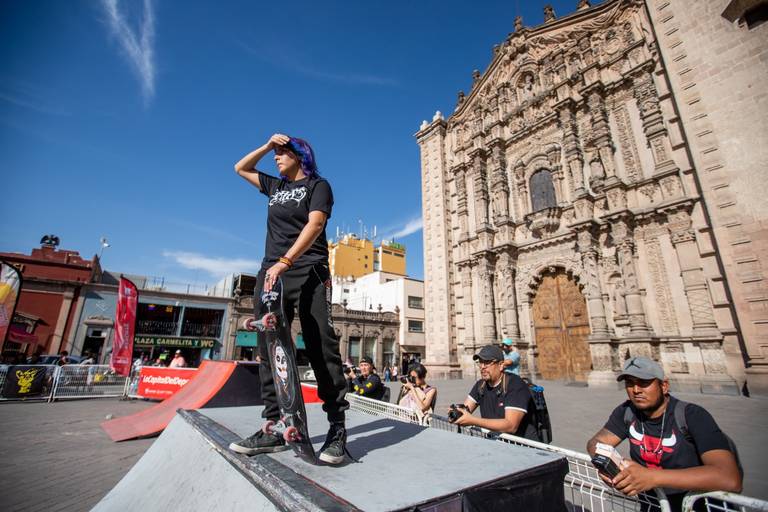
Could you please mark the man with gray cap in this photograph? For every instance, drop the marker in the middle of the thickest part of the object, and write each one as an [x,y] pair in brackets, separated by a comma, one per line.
[506,405]
[673,445]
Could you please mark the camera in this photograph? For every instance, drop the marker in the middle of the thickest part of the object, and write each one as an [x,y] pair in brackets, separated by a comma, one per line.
[409,378]
[453,412]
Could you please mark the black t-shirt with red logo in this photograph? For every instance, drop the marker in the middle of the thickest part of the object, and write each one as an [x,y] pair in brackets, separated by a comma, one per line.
[669,449]
[494,402]
[289,205]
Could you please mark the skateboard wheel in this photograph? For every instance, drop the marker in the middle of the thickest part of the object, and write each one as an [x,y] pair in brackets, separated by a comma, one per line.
[291,434]
[267,427]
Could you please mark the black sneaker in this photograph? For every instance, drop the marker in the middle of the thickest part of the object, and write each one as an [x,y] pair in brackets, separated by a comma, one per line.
[259,443]
[335,446]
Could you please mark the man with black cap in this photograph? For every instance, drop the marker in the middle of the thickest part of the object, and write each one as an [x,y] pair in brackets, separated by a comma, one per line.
[506,405]
[673,445]
[367,383]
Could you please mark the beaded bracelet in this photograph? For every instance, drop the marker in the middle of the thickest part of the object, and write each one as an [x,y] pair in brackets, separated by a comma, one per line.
[285,260]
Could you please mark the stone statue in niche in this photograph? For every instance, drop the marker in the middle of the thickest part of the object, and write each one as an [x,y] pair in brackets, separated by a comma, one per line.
[518,23]
[549,13]
[526,87]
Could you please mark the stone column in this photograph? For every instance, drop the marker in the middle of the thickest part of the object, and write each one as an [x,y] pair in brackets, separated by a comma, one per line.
[625,248]
[592,288]
[647,98]
[61,322]
[480,188]
[573,156]
[499,184]
[694,282]
[485,279]
[601,134]
[465,278]
[506,287]
[553,156]
[461,203]
[522,191]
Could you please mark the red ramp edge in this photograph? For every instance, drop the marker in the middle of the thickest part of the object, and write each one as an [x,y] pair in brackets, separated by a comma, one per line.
[218,383]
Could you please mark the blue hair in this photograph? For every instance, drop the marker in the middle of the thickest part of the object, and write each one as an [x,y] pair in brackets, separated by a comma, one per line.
[305,154]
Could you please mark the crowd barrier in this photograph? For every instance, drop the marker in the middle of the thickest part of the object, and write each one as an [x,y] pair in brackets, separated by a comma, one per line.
[584,489]
[36,390]
[87,381]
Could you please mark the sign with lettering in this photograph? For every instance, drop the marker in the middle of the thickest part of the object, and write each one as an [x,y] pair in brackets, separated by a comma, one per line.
[171,341]
[161,383]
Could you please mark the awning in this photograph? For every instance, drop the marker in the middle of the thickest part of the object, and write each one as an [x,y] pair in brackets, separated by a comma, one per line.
[19,335]
[248,339]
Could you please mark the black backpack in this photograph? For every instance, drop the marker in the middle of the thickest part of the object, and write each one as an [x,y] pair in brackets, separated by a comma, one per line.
[682,423]
[541,413]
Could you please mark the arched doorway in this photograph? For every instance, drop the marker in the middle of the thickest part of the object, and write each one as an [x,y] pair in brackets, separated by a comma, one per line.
[562,326]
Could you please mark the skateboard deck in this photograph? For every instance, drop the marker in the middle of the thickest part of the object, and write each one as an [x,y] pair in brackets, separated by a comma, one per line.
[292,424]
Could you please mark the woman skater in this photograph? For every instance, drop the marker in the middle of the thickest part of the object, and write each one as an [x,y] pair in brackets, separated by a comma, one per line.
[300,203]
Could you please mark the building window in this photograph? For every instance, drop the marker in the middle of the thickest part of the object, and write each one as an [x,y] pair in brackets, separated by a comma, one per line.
[389,352]
[542,191]
[415,326]
[354,349]
[369,348]
[415,302]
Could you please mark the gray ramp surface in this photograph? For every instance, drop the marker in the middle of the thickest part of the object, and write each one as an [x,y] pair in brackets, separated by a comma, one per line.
[181,471]
[399,464]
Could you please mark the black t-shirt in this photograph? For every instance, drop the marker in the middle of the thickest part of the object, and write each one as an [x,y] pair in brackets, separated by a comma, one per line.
[670,449]
[370,386]
[494,402]
[289,205]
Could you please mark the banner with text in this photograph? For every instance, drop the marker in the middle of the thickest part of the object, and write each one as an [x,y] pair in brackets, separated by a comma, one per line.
[125,324]
[161,383]
[10,285]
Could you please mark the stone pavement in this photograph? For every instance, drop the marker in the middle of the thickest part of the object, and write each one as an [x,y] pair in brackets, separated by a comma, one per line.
[56,457]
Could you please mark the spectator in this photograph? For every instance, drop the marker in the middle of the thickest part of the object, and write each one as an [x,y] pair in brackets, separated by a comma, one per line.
[394,372]
[696,458]
[178,361]
[34,359]
[63,358]
[160,361]
[417,395]
[506,405]
[89,359]
[511,357]
[387,374]
[367,384]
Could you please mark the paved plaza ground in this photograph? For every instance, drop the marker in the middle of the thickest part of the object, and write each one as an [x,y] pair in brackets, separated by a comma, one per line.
[56,457]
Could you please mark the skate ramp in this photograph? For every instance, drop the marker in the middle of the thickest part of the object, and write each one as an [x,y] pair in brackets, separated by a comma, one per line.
[401,467]
[215,384]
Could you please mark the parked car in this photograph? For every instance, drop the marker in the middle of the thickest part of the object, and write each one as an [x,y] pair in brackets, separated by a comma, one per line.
[52,358]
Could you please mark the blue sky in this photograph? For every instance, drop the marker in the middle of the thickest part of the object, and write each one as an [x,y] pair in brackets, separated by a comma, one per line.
[124,118]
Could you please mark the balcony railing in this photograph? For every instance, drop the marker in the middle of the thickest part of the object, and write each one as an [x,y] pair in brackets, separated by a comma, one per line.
[205,330]
[156,327]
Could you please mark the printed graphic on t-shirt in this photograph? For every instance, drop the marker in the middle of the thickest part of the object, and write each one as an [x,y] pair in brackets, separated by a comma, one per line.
[284,196]
[652,448]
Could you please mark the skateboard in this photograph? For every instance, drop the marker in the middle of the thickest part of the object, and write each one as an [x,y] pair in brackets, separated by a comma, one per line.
[292,424]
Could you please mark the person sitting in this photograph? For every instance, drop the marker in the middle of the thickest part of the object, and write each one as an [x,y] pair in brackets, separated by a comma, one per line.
[417,395]
[506,404]
[366,384]
[178,361]
[696,456]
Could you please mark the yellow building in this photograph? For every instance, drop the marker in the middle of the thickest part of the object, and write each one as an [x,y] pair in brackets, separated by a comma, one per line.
[390,257]
[353,256]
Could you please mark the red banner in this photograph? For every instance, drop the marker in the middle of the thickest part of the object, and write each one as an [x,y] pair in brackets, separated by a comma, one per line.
[10,285]
[125,324]
[160,383]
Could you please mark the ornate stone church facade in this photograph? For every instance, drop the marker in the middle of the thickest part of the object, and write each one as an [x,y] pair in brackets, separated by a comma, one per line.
[567,206]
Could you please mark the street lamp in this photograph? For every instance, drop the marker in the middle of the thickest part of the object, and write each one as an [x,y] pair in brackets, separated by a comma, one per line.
[104,245]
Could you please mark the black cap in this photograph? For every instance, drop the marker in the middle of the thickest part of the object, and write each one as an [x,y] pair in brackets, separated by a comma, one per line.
[367,359]
[489,353]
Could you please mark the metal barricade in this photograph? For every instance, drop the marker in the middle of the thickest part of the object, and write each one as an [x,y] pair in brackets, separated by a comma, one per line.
[48,382]
[87,381]
[584,490]
[723,502]
[379,408]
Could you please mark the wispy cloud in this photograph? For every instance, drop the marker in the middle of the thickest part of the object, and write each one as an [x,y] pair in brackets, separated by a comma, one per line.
[139,45]
[25,101]
[216,233]
[292,64]
[409,228]
[217,267]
